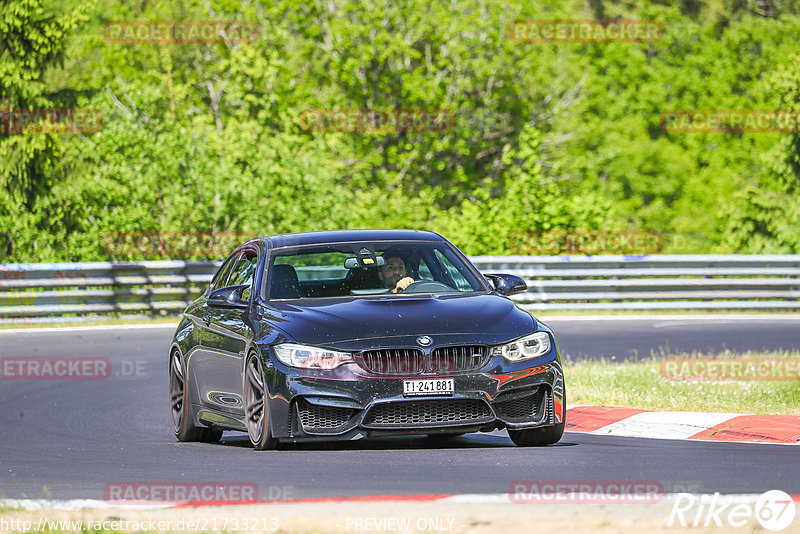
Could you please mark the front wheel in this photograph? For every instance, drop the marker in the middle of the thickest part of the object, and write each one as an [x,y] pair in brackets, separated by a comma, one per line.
[179,400]
[256,407]
[539,437]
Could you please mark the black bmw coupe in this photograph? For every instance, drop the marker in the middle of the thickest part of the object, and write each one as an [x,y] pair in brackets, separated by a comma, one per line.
[360,333]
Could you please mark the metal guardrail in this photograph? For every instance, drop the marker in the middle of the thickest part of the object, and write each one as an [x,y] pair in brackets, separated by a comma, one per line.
[716,282]
[29,291]
[32,290]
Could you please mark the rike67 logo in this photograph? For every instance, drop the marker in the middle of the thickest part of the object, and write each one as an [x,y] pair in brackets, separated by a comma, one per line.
[774,510]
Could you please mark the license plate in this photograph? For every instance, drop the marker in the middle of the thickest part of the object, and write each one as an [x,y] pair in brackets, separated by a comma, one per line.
[428,387]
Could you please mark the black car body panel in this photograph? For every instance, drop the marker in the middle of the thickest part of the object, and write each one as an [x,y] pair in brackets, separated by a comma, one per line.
[366,396]
[335,321]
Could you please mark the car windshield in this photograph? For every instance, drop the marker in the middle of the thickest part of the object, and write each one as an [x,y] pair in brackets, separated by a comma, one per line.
[368,269]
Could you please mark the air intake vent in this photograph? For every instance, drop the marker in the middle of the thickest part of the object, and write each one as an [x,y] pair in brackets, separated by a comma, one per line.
[321,419]
[530,407]
[428,413]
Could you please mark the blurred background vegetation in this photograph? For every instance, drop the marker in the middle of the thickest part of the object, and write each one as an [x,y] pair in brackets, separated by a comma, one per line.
[547,137]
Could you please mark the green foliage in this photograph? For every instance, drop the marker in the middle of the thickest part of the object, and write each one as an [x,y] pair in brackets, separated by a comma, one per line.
[32,42]
[529,202]
[765,215]
[558,136]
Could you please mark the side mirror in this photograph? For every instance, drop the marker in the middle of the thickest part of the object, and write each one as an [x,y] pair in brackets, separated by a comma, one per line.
[507,284]
[228,297]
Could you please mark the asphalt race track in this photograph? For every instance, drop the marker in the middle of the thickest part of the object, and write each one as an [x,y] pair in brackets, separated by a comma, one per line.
[628,338]
[67,439]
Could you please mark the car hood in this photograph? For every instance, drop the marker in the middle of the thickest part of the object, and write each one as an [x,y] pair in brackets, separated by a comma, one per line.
[356,322]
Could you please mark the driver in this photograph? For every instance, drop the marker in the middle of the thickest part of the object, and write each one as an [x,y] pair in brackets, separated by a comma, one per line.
[393,274]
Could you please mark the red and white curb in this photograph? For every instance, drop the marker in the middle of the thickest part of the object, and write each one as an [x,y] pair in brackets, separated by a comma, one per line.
[470,498]
[77,504]
[702,426]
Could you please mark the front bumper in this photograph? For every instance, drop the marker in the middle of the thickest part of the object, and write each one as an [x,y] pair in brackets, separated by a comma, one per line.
[348,403]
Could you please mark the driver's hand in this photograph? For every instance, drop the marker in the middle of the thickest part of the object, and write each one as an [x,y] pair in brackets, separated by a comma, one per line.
[402,284]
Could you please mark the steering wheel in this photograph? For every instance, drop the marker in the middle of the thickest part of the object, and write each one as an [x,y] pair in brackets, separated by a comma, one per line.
[426,286]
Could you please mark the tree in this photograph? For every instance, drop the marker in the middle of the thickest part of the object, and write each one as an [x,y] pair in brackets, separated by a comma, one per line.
[765,215]
[33,39]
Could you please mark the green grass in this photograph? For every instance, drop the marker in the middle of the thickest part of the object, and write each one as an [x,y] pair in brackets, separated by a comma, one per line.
[639,384]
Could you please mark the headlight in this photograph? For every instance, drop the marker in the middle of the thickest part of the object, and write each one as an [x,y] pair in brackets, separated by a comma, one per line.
[524,348]
[311,357]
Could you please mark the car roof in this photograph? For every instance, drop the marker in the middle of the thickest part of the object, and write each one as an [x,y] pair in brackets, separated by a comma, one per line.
[340,236]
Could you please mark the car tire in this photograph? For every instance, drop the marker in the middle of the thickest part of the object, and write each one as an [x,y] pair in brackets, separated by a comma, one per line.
[180,400]
[539,437]
[256,407]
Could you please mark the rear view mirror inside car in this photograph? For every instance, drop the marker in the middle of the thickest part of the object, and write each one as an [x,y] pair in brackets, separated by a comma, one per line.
[352,263]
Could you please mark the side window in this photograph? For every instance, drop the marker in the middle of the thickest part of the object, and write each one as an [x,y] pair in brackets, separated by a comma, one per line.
[424,272]
[458,278]
[242,271]
[223,273]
